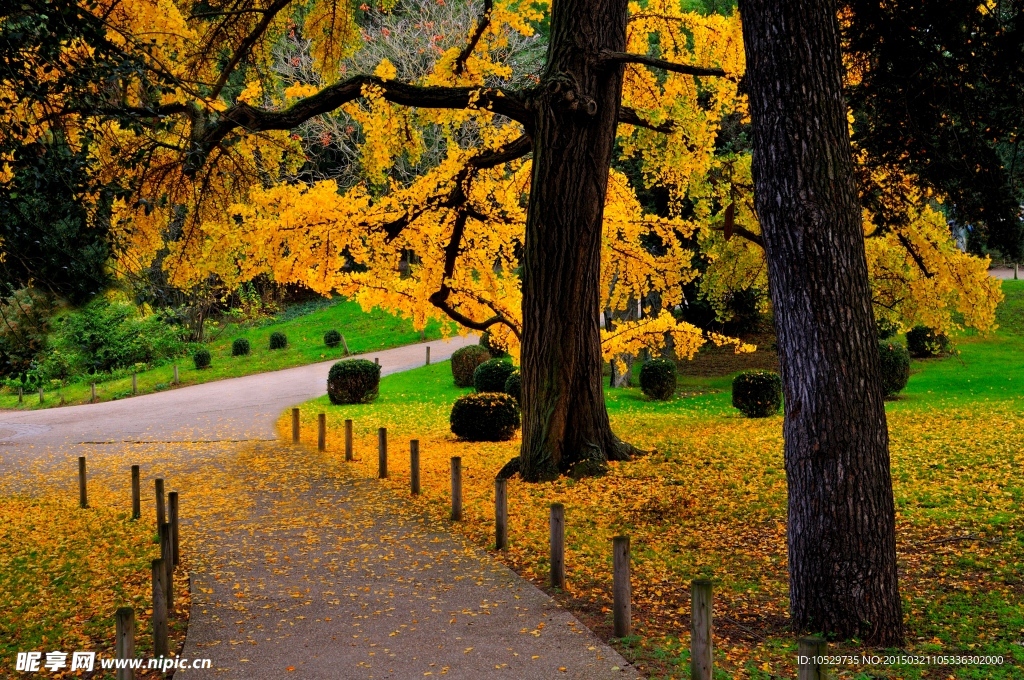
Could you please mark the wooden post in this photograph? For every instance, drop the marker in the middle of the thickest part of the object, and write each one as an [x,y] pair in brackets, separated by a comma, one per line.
[557,527]
[83,498]
[501,514]
[93,399]
[456,488]
[135,383]
[428,355]
[124,640]
[1014,271]
[160,516]
[321,432]
[159,609]
[175,374]
[809,651]
[382,452]
[344,343]
[21,394]
[701,658]
[414,466]
[295,425]
[376,360]
[136,494]
[40,395]
[622,588]
[172,519]
[348,440]
[167,557]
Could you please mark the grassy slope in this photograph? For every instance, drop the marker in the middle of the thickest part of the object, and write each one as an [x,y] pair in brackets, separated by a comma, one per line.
[363,332]
[711,501]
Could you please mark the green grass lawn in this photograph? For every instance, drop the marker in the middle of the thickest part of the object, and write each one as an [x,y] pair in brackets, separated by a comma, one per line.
[364,332]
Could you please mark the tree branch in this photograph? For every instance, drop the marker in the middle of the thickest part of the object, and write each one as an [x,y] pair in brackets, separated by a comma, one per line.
[481,26]
[744,233]
[243,48]
[905,242]
[612,58]
[631,117]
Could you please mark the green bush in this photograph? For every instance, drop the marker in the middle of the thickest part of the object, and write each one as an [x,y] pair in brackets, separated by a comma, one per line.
[493,347]
[658,378]
[201,357]
[465,361]
[354,381]
[485,417]
[895,367]
[491,375]
[886,329]
[757,394]
[240,347]
[924,342]
[332,338]
[514,385]
[278,340]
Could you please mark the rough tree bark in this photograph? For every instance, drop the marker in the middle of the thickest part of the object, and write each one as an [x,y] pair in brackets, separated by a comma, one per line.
[565,424]
[841,531]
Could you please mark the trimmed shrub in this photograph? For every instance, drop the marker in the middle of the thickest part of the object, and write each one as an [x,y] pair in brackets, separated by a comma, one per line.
[757,394]
[278,340]
[924,342]
[491,375]
[658,379]
[489,342]
[465,361]
[201,358]
[895,367]
[354,381]
[514,385]
[485,417]
[240,347]
[332,338]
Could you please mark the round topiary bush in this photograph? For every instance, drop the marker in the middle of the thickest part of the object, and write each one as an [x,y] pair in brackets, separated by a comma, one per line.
[491,375]
[658,378]
[924,342]
[332,338]
[201,358]
[354,381]
[278,340]
[465,361]
[514,385]
[757,394]
[895,367]
[489,342]
[240,347]
[485,417]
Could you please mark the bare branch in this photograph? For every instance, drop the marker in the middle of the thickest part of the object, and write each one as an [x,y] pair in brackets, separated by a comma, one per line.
[481,26]
[612,58]
[243,48]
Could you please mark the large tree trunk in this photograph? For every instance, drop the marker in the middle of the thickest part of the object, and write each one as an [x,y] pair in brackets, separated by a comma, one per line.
[565,424]
[842,545]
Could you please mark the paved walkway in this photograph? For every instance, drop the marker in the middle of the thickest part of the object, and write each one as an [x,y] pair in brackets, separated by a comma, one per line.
[299,568]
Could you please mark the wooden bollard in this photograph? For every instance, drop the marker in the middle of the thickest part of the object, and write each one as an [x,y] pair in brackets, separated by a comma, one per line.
[428,355]
[321,432]
[172,519]
[159,609]
[83,498]
[701,658]
[376,360]
[175,381]
[295,425]
[382,452]
[167,557]
[21,394]
[557,526]
[456,488]
[135,383]
[348,440]
[500,514]
[344,343]
[414,466]
[92,400]
[136,494]
[161,517]
[124,640]
[40,395]
[809,653]
[622,588]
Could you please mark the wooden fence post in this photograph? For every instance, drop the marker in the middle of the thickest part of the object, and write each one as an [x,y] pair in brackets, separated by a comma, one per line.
[622,588]
[92,400]
[175,374]
[500,513]
[382,452]
[809,651]
[167,557]
[428,355]
[701,657]
[321,432]
[456,463]
[158,484]
[21,396]
[124,640]
[295,425]
[135,383]
[414,466]
[159,609]
[376,360]
[136,494]
[348,440]
[172,519]
[40,395]
[83,498]
[557,527]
